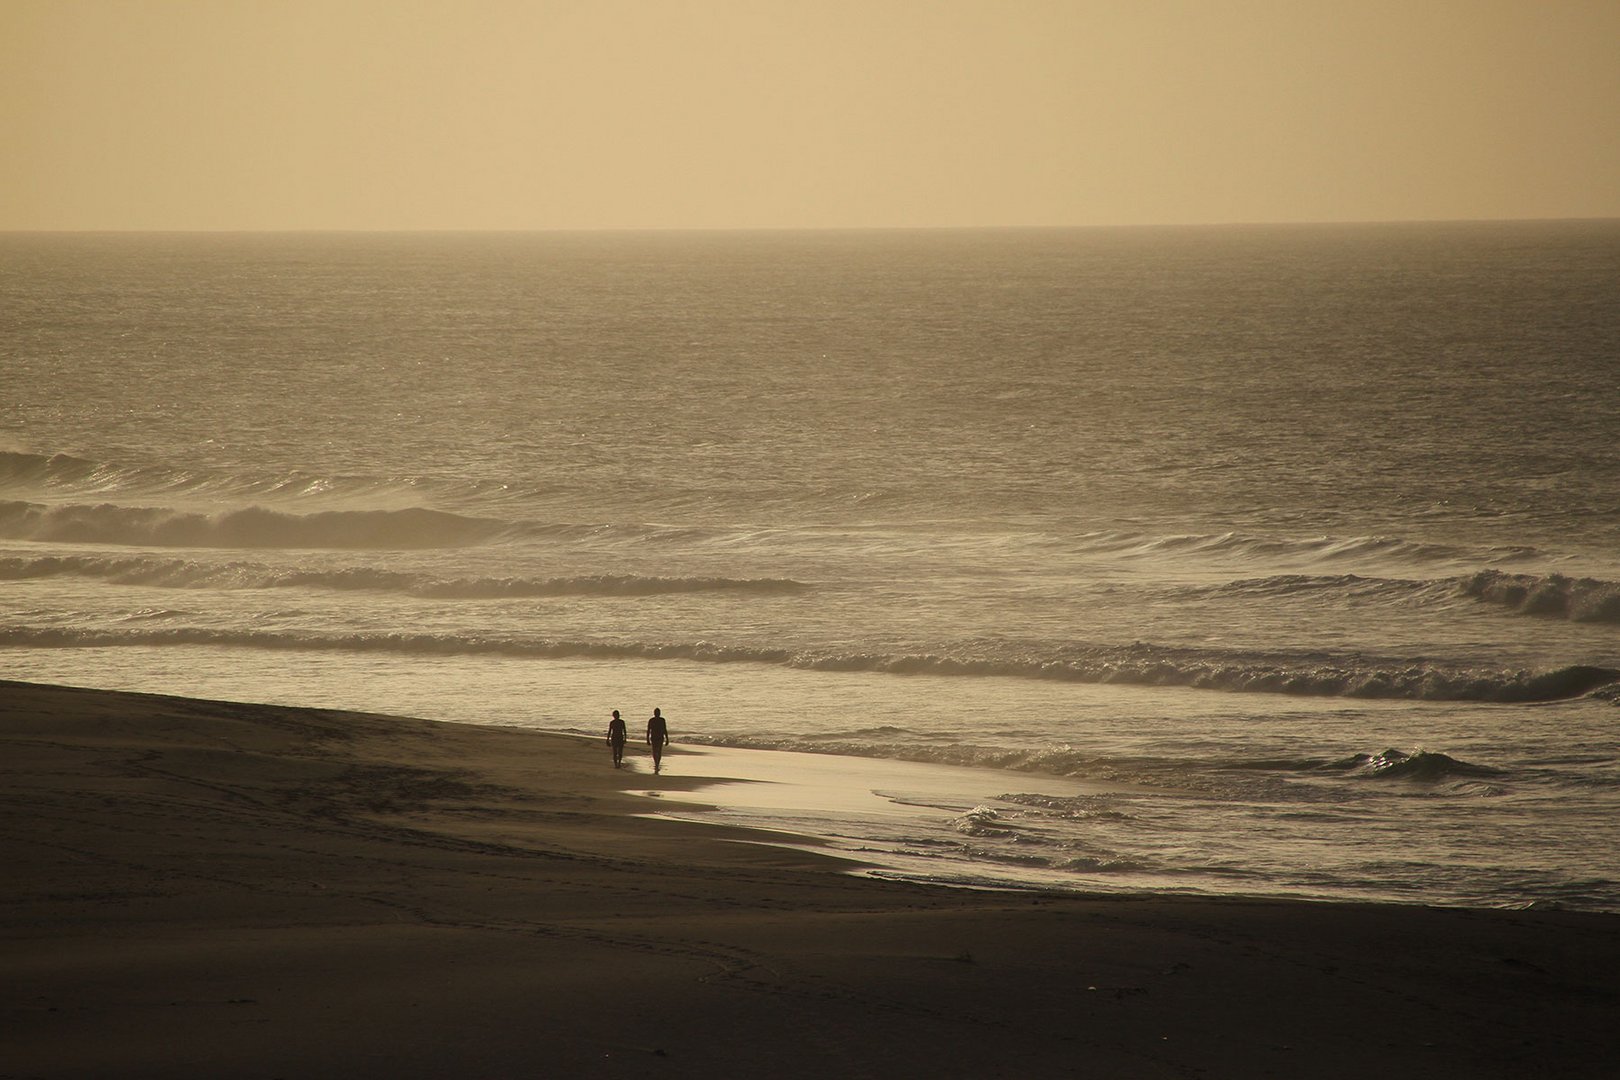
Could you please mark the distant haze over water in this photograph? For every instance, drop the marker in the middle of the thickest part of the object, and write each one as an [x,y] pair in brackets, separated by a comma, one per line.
[1310,533]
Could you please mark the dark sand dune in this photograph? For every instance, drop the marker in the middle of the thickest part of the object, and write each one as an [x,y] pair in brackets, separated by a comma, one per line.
[205,889]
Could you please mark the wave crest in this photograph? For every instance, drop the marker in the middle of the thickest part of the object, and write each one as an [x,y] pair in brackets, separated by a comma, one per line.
[19,469]
[1421,765]
[1576,599]
[1307,550]
[186,574]
[67,475]
[253,527]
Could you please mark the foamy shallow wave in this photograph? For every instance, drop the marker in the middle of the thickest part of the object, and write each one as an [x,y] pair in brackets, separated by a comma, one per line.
[981,822]
[1135,665]
[1168,771]
[185,574]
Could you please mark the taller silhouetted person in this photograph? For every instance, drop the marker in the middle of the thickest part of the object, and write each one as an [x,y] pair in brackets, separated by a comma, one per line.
[657,738]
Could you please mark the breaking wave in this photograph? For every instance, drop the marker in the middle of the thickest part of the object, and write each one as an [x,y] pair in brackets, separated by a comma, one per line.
[1142,664]
[1577,599]
[1133,665]
[1584,600]
[185,574]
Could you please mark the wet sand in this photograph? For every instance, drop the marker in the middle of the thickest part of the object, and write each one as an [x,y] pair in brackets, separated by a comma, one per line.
[207,889]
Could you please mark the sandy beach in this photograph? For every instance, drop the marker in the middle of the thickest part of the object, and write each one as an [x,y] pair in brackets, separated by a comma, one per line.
[198,888]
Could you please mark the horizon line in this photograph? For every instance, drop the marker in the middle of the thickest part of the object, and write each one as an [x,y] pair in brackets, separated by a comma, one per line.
[529,230]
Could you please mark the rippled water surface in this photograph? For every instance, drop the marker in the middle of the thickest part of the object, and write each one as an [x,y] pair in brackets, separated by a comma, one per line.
[1303,539]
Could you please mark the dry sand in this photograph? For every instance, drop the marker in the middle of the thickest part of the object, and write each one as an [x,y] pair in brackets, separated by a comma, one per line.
[201,889]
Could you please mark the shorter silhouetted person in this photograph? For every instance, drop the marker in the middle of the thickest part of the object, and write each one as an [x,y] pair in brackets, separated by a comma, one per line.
[615,738]
[657,738]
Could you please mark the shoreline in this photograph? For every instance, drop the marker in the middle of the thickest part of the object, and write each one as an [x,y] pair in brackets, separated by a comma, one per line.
[885,817]
[201,888]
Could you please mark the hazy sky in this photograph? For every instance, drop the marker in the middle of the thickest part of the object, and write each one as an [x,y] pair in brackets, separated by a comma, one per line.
[485,114]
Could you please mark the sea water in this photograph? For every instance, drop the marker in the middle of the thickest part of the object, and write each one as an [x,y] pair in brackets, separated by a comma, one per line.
[1262,560]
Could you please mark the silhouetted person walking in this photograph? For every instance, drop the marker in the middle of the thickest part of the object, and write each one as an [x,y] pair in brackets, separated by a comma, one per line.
[616,737]
[657,737]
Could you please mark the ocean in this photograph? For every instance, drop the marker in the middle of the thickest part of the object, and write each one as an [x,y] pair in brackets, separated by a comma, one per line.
[1265,560]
